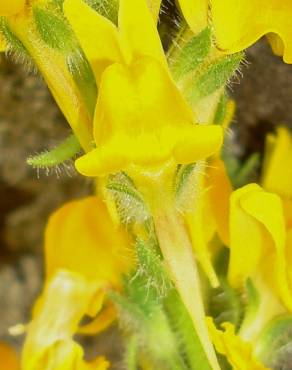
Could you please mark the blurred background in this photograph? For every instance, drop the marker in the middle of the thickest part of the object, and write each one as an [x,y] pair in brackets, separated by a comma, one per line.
[30,122]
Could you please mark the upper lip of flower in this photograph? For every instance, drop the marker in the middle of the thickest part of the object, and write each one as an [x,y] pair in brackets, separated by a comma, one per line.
[141,117]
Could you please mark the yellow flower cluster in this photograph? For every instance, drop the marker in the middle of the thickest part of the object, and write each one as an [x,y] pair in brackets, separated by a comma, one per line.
[143,126]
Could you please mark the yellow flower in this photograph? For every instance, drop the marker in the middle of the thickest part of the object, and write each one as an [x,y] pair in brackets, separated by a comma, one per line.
[238,352]
[258,237]
[240,23]
[261,236]
[85,254]
[9,359]
[140,118]
[9,8]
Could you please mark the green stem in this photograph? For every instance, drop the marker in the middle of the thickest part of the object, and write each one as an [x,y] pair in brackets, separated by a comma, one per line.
[177,252]
[131,354]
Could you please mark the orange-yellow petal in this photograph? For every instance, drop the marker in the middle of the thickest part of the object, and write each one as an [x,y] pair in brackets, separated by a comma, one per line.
[12,7]
[8,358]
[81,237]
[240,23]
[219,193]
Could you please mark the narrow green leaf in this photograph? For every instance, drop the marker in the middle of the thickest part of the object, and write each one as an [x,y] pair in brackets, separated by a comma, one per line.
[247,170]
[187,339]
[63,152]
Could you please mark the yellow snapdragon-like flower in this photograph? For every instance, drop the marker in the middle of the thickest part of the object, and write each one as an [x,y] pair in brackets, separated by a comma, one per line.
[258,237]
[85,254]
[140,117]
[260,247]
[8,358]
[240,23]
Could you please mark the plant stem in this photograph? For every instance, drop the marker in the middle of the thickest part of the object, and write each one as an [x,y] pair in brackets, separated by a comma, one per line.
[177,252]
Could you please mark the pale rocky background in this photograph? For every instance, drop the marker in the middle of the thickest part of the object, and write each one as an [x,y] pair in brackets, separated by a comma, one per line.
[31,122]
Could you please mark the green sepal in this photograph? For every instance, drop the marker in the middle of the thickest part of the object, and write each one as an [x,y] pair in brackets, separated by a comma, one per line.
[183,174]
[63,152]
[192,54]
[53,29]
[130,203]
[221,110]
[151,269]
[186,180]
[14,44]
[83,76]
[274,346]
[107,8]
[213,76]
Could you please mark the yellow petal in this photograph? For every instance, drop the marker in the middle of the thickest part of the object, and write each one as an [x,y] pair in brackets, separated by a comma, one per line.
[238,352]
[138,31]
[141,118]
[9,8]
[238,24]
[103,320]
[97,35]
[277,171]
[154,6]
[219,193]
[81,237]
[196,222]
[195,13]
[49,343]
[276,43]
[256,221]
[8,358]
[245,239]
